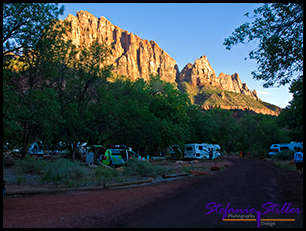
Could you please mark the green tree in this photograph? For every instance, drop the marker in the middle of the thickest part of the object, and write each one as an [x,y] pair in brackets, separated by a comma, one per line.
[248,127]
[269,133]
[86,77]
[30,100]
[279,29]
[292,116]
[226,132]
[28,103]
[201,126]
[24,23]
[169,105]
[135,123]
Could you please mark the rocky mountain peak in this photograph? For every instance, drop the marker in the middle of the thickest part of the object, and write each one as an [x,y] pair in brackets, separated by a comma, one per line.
[201,73]
[132,56]
[198,74]
[233,83]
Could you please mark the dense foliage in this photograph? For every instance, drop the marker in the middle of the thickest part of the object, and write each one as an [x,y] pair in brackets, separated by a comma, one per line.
[278,28]
[58,92]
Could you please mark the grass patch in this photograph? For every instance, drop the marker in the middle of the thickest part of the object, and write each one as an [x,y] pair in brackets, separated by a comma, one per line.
[105,172]
[285,165]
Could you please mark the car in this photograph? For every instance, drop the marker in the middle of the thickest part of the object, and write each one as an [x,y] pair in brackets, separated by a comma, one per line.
[116,155]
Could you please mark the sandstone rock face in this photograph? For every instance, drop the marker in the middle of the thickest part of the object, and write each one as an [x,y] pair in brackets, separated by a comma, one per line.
[201,73]
[132,56]
[233,83]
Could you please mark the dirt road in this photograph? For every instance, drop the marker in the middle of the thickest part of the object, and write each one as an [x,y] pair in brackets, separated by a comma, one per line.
[247,184]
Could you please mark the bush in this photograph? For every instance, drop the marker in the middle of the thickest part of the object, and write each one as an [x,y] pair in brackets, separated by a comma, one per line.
[284,155]
[30,164]
[102,171]
[133,167]
[63,170]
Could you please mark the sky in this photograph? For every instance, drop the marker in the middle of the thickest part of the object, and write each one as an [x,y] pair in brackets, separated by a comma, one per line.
[187,31]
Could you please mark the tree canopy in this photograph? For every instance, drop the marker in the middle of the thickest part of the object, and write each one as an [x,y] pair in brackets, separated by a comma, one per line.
[24,23]
[278,28]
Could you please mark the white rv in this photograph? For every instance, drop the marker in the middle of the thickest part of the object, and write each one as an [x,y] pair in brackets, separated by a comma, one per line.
[195,151]
[276,148]
[215,148]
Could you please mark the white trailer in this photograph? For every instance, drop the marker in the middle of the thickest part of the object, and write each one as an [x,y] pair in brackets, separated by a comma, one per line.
[276,148]
[195,151]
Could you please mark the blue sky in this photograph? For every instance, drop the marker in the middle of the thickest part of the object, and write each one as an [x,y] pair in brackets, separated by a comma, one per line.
[187,31]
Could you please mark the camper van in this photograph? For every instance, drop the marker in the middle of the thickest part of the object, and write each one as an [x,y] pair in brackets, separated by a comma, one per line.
[215,148]
[196,151]
[276,148]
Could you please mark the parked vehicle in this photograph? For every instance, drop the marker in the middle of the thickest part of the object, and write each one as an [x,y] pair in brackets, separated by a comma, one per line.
[215,148]
[35,150]
[276,148]
[116,155]
[196,151]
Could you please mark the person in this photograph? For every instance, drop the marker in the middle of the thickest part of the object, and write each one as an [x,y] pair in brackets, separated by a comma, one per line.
[210,155]
[178,153]
[298,160]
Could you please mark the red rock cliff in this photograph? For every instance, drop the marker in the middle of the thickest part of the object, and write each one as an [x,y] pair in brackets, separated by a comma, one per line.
[132,56]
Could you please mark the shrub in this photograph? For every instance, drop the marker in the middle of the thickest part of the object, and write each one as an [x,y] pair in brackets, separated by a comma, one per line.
[30,164]
[64,169]
[133,167]
[284,155]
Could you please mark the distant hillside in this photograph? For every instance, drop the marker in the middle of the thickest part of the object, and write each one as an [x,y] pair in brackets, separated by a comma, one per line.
[208,97]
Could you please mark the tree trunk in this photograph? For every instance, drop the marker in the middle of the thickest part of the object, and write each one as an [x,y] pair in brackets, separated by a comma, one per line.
[26,138]
[73,149]
[142,150]
[155,150]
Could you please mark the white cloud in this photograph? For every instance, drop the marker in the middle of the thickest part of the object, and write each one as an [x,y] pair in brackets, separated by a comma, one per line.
[264,93]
